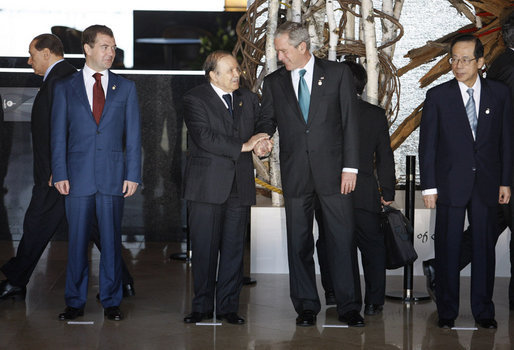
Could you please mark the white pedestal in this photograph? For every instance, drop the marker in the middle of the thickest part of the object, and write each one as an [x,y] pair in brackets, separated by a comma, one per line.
[269,242]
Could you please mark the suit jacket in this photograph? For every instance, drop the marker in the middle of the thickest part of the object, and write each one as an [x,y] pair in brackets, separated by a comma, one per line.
[95,157]
[214,159]
[450,159]
[40,122]
[374,152]
[324,145]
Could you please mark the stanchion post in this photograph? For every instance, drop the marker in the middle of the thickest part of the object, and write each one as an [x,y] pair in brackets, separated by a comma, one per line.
[408,270]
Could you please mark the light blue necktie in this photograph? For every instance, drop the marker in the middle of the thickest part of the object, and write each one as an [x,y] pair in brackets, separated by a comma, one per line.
[472,112]
[304,96]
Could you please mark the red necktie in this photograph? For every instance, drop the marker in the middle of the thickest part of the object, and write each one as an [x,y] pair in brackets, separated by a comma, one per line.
[98,97]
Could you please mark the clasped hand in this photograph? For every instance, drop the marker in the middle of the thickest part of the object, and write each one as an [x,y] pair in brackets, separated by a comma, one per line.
[259,143]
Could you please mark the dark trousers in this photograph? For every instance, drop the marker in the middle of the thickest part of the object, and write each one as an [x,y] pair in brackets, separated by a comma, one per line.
[448,240]
[80,212]
[44,217]
[217,231]
[341,257]
[505,219]
[370,242]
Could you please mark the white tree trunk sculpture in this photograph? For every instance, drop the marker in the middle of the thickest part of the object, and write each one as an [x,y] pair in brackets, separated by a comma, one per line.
[349,29]
[296,11]
[271,54]
[370,41]
[271,65]
[333,37]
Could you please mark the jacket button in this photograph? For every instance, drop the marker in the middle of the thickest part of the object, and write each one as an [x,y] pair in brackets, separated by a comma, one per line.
[307,131]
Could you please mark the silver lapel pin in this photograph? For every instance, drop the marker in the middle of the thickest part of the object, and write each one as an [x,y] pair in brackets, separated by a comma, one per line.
[114,87]
[487,111]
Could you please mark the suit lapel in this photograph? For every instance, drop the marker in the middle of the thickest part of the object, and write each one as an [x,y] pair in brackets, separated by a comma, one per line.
[221,109]
[112,90]
[77,83]
[290,96]
[485,104]
[455,97]
[318,75]
[237,106]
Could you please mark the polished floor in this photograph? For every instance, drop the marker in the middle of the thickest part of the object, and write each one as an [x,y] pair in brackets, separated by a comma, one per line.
[164,289]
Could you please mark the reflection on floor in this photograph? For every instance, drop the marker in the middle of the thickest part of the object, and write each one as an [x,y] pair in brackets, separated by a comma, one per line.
[164,288]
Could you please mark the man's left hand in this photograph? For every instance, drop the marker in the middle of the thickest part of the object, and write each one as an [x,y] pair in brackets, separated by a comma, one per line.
[504,195]
[129,188]
[348,181]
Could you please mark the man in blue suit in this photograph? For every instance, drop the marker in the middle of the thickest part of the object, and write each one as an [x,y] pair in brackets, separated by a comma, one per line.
[465,165]
[96,162]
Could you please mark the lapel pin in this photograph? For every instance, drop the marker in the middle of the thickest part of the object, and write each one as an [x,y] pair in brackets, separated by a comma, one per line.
[320,81]
[487,111]
[241,104]
[114,87]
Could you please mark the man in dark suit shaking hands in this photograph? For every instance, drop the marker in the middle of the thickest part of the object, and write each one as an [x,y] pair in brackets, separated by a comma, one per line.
[219,185]
[314,104]
[465,165]
[96,162]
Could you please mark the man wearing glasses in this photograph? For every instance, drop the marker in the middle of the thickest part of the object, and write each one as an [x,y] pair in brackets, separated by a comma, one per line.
[465,166]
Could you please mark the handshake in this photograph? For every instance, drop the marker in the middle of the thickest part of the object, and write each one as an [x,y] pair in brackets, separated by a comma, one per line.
[260,144]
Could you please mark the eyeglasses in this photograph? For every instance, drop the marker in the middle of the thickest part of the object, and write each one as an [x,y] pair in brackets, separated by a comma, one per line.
[464,60]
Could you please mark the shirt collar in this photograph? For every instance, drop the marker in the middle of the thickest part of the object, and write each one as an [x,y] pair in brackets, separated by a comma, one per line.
[50,68]
[476,87]
[89,72]
[219,91]
[309,66]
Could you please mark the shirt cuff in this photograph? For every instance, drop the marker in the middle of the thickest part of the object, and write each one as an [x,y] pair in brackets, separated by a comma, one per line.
[429,191]
[350,170]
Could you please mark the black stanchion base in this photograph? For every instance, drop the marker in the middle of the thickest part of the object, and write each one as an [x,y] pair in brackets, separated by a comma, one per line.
[185,257]
[407,296]
[248,281]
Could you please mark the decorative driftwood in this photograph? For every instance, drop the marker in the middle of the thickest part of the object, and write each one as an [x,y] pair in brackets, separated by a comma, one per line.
[491,13]
[251,31]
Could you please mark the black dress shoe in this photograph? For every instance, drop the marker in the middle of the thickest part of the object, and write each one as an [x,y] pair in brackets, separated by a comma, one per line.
[446,323]
[71,313]
[488,323]
[373,309]
[195,317]
[330,297]
[8,291]
[353,318]
[231,318]
[128,290]
[429,272]
[306,318]
[113,313]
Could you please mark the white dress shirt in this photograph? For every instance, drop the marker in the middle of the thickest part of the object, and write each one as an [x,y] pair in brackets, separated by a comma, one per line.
[89,81]
[220,93]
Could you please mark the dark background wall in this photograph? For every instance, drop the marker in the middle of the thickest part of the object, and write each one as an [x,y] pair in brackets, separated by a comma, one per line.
[156,212]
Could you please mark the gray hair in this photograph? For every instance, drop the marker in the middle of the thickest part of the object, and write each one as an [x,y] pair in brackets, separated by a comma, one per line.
[297,33]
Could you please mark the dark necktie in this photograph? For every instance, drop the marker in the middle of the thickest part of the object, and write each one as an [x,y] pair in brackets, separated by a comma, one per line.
[98,97]
[304,97]
[228,100]
[471,111]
